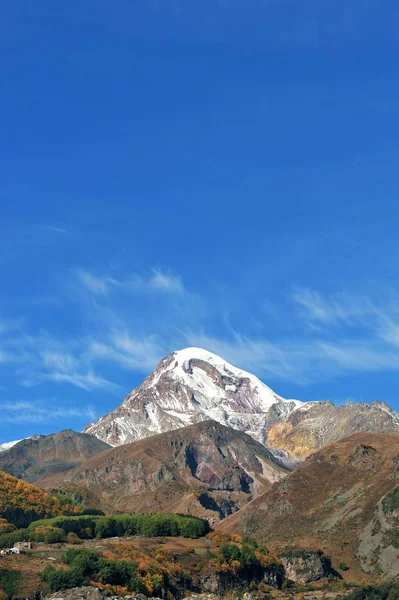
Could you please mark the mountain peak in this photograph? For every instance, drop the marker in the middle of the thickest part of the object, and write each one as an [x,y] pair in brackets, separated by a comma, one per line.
[188,386]
[193,385]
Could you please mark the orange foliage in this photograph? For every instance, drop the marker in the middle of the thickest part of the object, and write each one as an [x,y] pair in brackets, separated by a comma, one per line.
[72,538]
[218,538]
[15,493]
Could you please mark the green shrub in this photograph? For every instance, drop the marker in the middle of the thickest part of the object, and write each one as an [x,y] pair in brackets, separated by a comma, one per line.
[391,501]
[147,525]
[7,540]
[387,591]
[86,565]
[10,581]
[48,535]
[58,579]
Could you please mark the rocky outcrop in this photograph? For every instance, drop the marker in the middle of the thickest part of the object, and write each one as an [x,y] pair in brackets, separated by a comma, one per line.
[379,542]
[219,583]
[91,593]
[304,566]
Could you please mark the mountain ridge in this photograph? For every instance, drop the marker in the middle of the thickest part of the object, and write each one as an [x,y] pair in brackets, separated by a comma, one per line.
[193,385]
[40,456]
[206,469]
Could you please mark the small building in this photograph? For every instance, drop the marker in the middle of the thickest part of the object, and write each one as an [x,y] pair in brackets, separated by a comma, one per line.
[23,546]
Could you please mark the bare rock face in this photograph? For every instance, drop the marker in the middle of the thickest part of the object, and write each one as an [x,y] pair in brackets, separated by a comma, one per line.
[379,541]
[364,457]
[306,566]
[219,583]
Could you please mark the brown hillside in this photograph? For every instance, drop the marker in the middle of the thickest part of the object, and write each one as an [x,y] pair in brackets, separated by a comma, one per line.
[40,457]
[206,469]
[332,501]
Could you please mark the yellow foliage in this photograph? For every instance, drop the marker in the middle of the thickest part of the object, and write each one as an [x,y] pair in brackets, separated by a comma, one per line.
[6,527]
[24,496]
[72,538]
[218,538]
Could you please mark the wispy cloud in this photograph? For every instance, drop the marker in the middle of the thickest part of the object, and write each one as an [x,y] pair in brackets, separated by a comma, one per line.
[93,283]
[44,358]
[144,319]
[87,381]
[55,229]
[301,361]
[42,412]
[132,353]
[343,307]
[157,282]
[162,282]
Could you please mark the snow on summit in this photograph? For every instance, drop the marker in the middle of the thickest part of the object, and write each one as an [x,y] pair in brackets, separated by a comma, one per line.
[189,386]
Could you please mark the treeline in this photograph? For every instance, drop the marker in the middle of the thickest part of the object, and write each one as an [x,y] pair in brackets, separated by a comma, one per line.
[57,529]
[146,525]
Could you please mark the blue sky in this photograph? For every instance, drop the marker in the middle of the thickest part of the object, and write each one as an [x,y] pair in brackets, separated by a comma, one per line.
[220,174]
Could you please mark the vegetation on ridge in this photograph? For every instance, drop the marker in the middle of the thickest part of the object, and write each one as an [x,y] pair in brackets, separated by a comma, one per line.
[21,503]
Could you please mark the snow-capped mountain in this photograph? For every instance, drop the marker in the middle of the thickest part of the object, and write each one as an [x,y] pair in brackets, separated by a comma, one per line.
[8,445]
[190,386]
[194,385]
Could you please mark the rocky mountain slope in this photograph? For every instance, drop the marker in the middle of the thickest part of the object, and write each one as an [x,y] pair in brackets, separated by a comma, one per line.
[194,385]
[205,469]
[40,457]
[344,498]
[317,424]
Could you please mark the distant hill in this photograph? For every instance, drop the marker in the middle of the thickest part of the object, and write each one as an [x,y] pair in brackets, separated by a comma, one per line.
[206,469]
[37,458]
[343,498]
[317,424]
